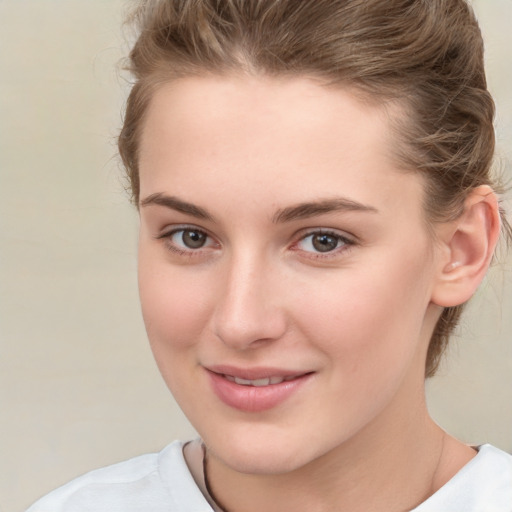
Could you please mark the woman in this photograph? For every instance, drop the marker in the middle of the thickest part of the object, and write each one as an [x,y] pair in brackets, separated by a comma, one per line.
[316,205]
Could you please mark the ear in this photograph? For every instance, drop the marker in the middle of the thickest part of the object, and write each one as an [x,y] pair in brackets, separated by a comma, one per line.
[467,246]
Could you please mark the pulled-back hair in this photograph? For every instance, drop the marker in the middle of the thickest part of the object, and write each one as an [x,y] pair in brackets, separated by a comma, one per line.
[425,55]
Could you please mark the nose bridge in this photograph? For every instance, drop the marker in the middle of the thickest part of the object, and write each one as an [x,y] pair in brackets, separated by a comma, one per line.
[248,309]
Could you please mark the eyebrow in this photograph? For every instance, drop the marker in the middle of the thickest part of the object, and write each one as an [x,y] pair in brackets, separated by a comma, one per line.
[176,204]
[312,209]
[295,212]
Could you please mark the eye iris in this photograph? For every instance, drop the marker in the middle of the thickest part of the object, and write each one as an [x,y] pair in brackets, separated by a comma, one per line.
[193,239]
[324,243]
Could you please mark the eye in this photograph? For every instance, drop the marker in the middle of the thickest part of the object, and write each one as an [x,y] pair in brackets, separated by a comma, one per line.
[323,242]
[187,240]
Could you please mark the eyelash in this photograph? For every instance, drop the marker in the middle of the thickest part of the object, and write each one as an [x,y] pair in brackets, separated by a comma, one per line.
[170,245]
[345,242]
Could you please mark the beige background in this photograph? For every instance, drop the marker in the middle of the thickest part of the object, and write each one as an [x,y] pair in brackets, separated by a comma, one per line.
[78,387]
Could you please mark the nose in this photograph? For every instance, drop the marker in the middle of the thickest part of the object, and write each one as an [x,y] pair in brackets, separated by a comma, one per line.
[250,309]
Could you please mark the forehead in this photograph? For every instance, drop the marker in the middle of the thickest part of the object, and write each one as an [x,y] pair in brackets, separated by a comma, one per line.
[287,140]
[246,106]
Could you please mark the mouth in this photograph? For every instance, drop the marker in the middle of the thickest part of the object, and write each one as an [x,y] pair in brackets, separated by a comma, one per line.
[255,389]
[266,381]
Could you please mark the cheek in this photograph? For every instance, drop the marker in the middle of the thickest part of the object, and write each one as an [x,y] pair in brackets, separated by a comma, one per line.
[175,305]
[368,321]
[175,310]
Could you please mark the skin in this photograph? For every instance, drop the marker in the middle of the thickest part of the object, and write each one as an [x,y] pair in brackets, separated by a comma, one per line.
[237,154]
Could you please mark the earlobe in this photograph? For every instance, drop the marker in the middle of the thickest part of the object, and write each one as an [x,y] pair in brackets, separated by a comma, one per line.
[470,242]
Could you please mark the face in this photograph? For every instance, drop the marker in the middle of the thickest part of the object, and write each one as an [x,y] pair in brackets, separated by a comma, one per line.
[285,268]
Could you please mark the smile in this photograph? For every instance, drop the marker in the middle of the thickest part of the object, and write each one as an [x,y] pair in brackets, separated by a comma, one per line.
[255,390]
[258,382]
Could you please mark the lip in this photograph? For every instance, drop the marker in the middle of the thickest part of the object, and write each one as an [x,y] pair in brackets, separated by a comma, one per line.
[255,398]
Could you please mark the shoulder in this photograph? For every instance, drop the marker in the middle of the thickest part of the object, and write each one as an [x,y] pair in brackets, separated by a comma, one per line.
[156,482]
[482,485]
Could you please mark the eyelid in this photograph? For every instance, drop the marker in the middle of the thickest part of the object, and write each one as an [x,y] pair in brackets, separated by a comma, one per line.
[303,233]
[171,230]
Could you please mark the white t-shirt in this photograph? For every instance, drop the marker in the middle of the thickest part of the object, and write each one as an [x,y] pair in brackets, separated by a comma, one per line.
[162,482]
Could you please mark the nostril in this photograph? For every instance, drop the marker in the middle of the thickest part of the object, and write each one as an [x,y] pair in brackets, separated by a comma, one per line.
[252,329]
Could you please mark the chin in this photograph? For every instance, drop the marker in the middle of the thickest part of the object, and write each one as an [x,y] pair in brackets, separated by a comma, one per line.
[262,454]
[259,462]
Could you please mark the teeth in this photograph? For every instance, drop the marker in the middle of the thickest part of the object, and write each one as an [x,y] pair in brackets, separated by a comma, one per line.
[257,382]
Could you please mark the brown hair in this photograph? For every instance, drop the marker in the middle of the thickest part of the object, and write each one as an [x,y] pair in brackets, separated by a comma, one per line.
[427,55]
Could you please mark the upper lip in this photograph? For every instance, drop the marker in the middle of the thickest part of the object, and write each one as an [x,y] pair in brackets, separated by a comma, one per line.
[255,373]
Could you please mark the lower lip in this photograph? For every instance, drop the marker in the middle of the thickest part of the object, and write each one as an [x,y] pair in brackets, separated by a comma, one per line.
[254,398]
